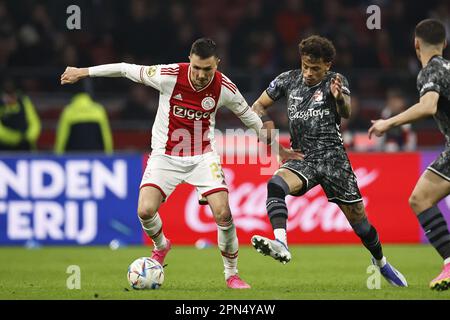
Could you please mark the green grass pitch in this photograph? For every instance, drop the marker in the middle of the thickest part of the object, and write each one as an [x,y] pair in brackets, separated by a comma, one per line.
[315,272]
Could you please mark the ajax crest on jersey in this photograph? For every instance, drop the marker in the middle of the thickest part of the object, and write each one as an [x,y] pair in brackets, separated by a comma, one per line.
[145,273]
[208,103]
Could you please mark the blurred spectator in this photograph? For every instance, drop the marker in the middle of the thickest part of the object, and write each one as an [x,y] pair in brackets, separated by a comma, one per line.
[398,29]
[83,126]
[8,41]
[185,31]
[20,126]
[258,39]
[246,38]
[145,31]
[442,13]
[291,21]
[401,138]
[354,129]
[137,107]
[35,39]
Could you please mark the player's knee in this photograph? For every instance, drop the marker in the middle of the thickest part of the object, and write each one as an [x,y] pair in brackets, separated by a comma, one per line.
[222,215]
[147,210]
[277,187]
[413,202]
[419,203]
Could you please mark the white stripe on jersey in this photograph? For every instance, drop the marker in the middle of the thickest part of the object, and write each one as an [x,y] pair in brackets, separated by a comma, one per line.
[338,130]
[160,128]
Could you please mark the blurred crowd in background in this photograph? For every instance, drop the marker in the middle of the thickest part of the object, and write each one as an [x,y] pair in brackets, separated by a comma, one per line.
[257,40]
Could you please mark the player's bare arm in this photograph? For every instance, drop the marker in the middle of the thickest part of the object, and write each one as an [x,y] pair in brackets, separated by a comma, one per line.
[343,102]
[260,107]
[427,106]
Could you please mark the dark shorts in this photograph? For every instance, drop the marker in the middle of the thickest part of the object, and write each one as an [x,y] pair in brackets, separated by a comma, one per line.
[441,166]
[335,175]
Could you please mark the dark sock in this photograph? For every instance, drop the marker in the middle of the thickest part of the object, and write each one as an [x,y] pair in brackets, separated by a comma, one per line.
[436,230]
[369,237]
[277,189]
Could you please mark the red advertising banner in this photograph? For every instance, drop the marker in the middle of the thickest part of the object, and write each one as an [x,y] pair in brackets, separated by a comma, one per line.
[385,181]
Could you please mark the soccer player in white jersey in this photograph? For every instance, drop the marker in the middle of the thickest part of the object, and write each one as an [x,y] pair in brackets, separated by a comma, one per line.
[183,141]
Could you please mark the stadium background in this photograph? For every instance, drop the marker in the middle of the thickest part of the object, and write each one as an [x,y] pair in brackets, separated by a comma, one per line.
[58,200]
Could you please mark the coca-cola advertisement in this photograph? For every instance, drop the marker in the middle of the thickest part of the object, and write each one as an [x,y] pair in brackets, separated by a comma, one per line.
[385,181]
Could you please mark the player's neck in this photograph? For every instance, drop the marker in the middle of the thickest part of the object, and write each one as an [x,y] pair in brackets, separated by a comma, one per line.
[426,56]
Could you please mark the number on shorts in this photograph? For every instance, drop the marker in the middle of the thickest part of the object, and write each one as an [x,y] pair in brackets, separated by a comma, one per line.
[216,170]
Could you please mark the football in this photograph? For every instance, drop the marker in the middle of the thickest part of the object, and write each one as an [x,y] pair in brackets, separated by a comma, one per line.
[145,273]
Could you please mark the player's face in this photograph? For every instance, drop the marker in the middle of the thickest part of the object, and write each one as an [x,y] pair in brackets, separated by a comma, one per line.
[202,70]
[314,70]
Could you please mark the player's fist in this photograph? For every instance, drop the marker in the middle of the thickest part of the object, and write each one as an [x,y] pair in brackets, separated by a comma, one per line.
[72,75]
[336,87]
[285,154]
[379,127]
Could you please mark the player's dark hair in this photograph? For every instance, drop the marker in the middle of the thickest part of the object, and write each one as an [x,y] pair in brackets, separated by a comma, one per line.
[318,48]
[431,31]
[204,48]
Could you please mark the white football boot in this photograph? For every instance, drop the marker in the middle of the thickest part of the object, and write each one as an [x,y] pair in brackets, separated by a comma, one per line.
[274,248]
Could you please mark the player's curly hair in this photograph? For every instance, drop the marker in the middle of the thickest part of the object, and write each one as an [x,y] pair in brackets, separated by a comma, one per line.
[318,48]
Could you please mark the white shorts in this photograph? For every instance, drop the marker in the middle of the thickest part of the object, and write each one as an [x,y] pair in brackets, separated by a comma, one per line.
[203,171]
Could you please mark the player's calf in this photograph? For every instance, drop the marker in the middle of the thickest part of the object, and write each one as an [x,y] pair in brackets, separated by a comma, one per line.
[277,189]
[436,230]
[369,237]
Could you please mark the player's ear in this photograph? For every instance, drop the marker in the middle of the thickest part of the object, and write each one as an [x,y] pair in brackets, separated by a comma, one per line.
[416,44]
[445,44]
[328,65]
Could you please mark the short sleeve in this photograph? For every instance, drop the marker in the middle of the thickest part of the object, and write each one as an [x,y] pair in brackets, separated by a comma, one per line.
[428,81]
[277,88]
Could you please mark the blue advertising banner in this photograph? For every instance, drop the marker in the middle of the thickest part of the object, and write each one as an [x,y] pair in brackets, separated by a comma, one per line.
[78,200]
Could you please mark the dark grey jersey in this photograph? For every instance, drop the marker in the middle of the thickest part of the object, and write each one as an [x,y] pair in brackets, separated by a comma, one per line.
[436,77]
[314,122]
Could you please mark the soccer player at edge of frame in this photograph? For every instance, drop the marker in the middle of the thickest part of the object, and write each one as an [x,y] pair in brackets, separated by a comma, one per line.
[317,99]
[190,94]
[433,84]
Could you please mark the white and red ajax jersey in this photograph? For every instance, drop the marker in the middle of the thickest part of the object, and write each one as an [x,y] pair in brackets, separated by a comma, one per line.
[184,124]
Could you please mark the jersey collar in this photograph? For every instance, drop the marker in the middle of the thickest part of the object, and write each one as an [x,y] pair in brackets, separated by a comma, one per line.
[190,83]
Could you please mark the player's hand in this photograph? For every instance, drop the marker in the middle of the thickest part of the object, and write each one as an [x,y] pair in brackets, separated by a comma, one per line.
[336,87]
[72,75]
[379,127]
[289,154]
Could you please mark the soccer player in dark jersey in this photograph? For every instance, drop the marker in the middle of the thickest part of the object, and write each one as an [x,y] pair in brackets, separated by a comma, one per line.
[433,84]
[317,99]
